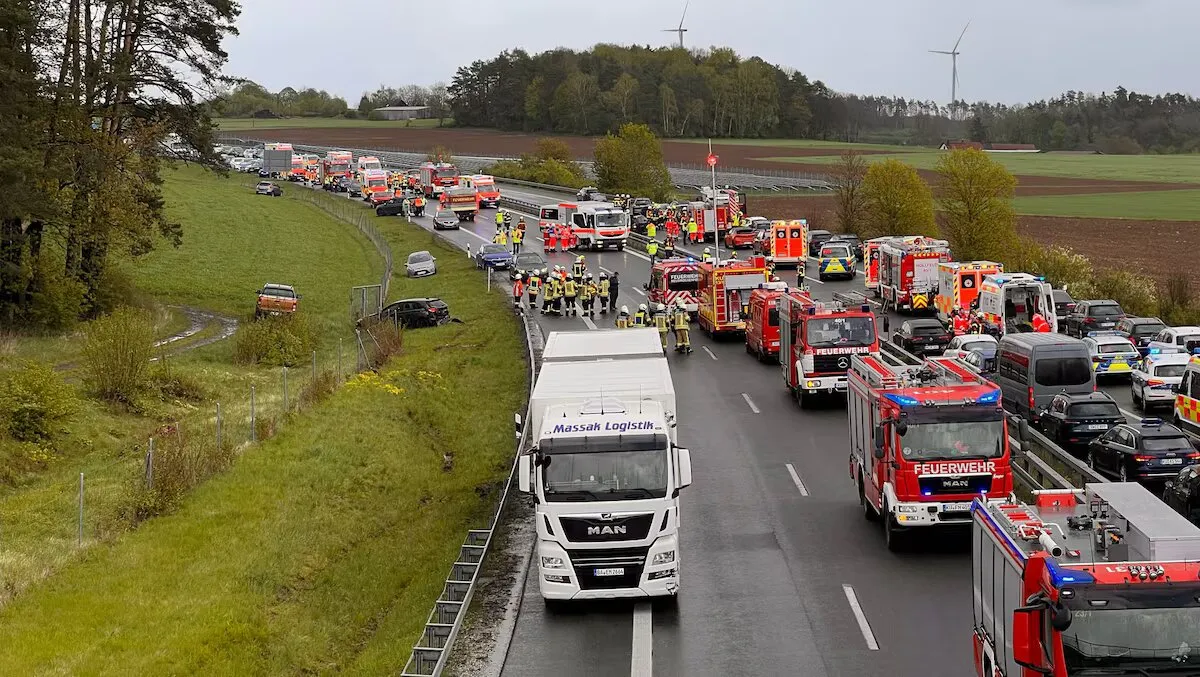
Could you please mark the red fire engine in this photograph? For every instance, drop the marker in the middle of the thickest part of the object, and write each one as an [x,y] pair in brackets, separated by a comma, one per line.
[724,291]
[672,280]
[871,263]
[762,327]
[816,341]
[1108,586]
[908,272]
[336,164]
[436,176]
[926,438]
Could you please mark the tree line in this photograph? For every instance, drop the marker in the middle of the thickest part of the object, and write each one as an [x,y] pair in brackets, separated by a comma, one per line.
[717,93]
[91,89]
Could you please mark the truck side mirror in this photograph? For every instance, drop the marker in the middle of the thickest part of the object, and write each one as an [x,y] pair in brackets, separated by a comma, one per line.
[1023,429]
[879,433]
[517,421]
[684,457]
[523,473]
[1026,633]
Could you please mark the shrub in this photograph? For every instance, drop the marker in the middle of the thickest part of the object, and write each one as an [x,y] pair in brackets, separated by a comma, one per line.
[279,341]
[318,388]
[33,400]
[382,341]
[181,463]
[116,354]
[1061,266]
[173,384]
[1136,293]
[114,289]
[1175,304]
[57,300]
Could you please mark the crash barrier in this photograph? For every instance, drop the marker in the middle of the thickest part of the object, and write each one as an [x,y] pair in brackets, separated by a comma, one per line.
[432,650]
[1041,464]
[360,220]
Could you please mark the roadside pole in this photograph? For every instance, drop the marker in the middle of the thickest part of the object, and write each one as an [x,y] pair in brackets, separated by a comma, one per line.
[712,165]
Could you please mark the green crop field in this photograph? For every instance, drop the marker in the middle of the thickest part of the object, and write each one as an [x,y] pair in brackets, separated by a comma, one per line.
[1155,168]
[1163,205]
[323,548]
[238,124]
[835,147]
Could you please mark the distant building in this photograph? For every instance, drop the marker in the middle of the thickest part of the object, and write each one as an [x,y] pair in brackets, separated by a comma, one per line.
[401,112]
[265,113]
[991,147]
[961,145]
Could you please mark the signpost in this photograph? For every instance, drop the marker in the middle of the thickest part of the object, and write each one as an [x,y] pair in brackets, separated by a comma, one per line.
[712,165]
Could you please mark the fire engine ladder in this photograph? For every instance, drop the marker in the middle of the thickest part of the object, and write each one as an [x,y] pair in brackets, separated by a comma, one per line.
[950,377]
[895,376]
[720,301]
[852,299]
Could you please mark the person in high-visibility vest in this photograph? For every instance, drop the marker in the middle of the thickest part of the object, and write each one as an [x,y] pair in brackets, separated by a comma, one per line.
[737,220]
[419,205]
[501,237]
[518,291]
[570,292]
[1040,323]
[693,231]
[556,283]
[534,288]
[548,290]
[516,241]
[671,227]
[623,318]
[587,296]
[641,316]
[651,230]
[602,293]
[662,321]
[652,250]
[683,343]
[707,256]
[770,267]
[579,267]
[499,219]
[550,239]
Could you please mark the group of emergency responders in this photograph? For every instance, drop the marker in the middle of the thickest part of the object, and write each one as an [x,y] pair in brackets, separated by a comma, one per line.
[567,293]
[508,234]
[675,318]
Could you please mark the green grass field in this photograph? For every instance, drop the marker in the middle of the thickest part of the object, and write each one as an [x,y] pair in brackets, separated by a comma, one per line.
[322,549]
[236,124]
[834,146]
[1164,205]
[1155,168]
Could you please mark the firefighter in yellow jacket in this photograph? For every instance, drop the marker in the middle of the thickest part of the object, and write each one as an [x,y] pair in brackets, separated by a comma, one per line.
[662,321]
[623,318]
[534,288]
[683,343]
[641,316]
[587,296]
[602,293]
[548,289]
[570,293]
[501,237]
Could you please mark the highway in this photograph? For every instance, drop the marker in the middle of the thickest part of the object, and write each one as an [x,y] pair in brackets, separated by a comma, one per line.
[780,572]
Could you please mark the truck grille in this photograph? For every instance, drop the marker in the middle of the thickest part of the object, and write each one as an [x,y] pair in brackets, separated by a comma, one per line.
[630,560]
[629,528]
[954,484]
[829,364]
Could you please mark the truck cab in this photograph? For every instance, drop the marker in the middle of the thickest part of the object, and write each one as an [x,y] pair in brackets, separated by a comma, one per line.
[597,225]
[762,326]
[463,201]
[436,177]
[485,186]
[908,272]
[725,289]
[817,340]
[675,280]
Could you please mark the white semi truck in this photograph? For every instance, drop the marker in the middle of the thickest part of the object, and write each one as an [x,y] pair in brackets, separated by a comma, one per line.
[605,466]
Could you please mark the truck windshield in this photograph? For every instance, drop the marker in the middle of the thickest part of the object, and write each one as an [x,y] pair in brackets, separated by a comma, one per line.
[1145,627]
[370,165]
[954,434]
[606,476]
[829,332]
[610,219]
[338,167]
[683,281]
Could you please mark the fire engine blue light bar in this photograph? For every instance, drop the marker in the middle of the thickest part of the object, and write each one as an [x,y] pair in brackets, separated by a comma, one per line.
[903,400]
[989,397]
[1060,576]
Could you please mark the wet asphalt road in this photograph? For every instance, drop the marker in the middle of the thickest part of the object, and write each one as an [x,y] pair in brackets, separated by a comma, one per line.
[781,575]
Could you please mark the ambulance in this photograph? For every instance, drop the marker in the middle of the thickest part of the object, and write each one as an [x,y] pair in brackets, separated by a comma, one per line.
[789,242]
[1187,398]
[365,164]
[597,225]
[1009,301]
[724,292]
[762,326]
[958,285]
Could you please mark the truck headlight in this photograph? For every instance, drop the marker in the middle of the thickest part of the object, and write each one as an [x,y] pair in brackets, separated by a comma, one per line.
[663,558]
[901,508]
[552,562]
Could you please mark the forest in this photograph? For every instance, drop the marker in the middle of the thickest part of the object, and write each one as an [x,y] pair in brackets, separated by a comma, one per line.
[717,93]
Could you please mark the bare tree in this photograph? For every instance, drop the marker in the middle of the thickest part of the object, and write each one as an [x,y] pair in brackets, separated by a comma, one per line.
[851,199]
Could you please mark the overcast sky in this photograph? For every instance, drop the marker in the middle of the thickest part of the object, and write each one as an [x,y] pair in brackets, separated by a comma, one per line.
[1014,51]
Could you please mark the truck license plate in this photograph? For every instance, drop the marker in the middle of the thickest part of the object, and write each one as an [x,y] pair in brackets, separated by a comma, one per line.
[609,572]
[956,507]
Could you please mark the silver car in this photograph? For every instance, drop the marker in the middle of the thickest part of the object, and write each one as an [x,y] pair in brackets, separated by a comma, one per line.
[420,264]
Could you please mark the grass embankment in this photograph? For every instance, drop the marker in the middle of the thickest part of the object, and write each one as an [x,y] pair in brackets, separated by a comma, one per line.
[322,549]
[1155,168]
[1162,205]
[229,235]
[238,124]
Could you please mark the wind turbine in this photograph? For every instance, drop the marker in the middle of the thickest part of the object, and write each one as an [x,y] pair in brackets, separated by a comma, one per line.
[954,65]
[680,30]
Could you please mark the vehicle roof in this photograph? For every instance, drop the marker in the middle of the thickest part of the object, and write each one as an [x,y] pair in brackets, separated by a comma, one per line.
[1100,302]
[924,321]
[1095,396]
[1109,340]
[423,251]
[272,285]
[1186,329]
[425,299]
[988,338]
[1168,358]
[1039,339]
[1153,428]
[1142,320]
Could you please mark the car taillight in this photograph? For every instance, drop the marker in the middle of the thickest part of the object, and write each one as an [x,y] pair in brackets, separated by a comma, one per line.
[1142,459]
[1089,320]
[1193,455]
[433,311]
[1031,399]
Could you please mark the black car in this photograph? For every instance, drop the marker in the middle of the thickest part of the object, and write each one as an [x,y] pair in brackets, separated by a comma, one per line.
[1063,305]
[638,205]
[1073,421]
[816,238]
[413,313]
[444,219]
[527,262]
[854,242]
[393,207]
[1140,331]
[1150,450]
[353,188]
[919,336]
[1182,493]
[1092,316]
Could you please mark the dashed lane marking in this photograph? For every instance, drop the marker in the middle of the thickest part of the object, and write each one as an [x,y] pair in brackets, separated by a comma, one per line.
[710,353]
[796,479]
[859,616]
[641,663]
[750,403]
[590,325]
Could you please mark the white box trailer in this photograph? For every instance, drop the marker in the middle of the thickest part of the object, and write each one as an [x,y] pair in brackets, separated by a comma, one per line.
[616,344]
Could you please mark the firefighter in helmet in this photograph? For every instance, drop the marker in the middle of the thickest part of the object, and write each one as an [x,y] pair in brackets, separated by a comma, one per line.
[662,322]
[683,342]
[623,318]
[706,257]
[602,291]
[579,267]
[640,317]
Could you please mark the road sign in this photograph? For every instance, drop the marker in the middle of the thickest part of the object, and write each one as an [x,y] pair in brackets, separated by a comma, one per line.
[712,160]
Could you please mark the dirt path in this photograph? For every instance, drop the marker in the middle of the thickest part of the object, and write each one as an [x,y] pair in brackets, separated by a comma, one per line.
[198,321]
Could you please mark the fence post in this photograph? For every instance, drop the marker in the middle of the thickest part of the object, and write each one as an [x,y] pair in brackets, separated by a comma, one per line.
[340,340]
[219,426]
[285,393]
[150,465]
[79,536]
[253,423]
[314,365]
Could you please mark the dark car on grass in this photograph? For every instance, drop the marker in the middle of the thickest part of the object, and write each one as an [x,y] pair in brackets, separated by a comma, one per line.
[1073,420]
[922,336]
[393,207]
[1140,331]
[1150,451]
[494,256]
[353,188]
[418,312]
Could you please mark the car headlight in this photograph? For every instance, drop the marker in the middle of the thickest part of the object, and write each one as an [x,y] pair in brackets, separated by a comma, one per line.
[552,562]
[663,558]
[906,508]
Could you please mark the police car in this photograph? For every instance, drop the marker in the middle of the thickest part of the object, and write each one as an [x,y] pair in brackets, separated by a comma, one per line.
[1185,339]
[1153,381]
[1112,353]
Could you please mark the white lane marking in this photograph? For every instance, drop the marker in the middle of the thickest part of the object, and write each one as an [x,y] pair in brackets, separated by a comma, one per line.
[813,279]
[590,325]
[639,291]
[606,270]
[710,353]
[641,664]
[796,479]
[859,616]
[1130,415]
[750,403]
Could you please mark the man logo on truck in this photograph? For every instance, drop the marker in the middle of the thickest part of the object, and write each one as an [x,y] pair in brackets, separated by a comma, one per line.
[605,531]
